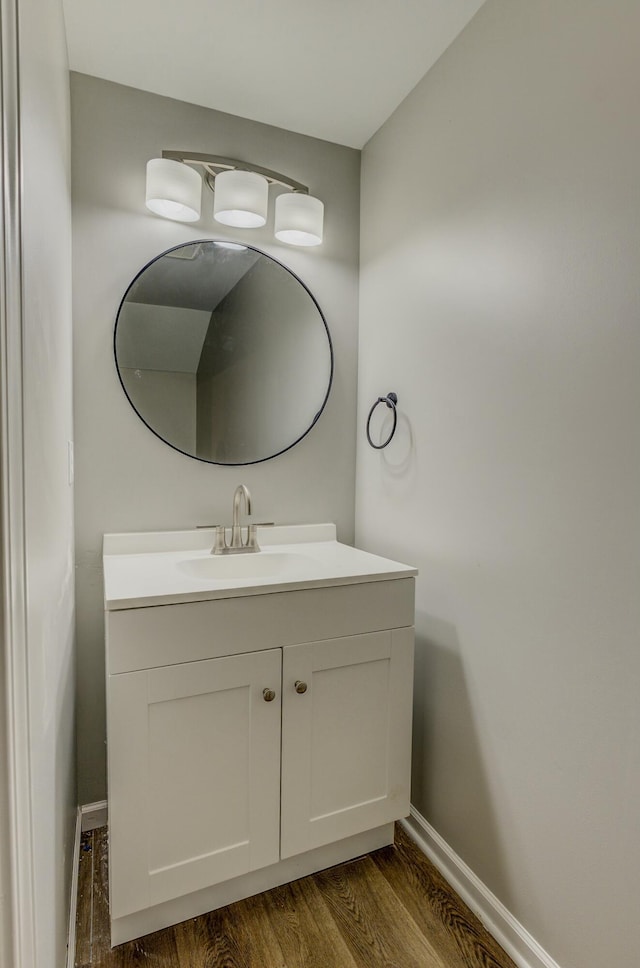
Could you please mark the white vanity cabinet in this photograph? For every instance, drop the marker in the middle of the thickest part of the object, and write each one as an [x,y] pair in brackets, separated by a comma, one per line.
[251,741]
[346,741]
[194,776]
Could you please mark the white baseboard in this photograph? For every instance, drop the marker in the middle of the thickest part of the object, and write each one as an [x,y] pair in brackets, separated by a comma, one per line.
[73,905]
[93,815]
[499,922]
[88,817]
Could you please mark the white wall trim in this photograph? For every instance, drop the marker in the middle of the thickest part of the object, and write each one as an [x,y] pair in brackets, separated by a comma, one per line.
[20,876]
[499,922]
[88,817]
[93,815]
[73,903]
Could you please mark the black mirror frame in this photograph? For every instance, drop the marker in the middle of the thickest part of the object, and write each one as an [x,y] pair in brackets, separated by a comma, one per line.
[203,460]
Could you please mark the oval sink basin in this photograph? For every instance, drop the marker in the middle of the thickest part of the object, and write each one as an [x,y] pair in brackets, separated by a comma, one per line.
[260,565]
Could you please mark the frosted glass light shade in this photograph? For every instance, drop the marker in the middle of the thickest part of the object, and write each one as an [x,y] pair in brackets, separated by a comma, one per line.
[240,198]
[299,219]
[173,190]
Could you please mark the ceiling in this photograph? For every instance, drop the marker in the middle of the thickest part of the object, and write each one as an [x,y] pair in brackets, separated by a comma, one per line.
[333,69]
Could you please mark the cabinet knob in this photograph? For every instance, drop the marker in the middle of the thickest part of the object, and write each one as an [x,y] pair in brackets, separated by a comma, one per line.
[268,695]
[300,686]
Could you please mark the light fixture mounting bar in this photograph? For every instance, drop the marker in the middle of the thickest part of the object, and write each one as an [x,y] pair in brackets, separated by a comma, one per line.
[214,164]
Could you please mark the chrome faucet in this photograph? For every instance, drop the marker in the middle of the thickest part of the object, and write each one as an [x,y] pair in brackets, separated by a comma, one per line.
[237,546]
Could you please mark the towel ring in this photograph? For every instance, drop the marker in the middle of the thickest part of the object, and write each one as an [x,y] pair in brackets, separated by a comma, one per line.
[391,400]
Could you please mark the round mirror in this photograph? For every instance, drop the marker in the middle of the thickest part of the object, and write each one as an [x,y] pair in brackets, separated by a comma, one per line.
[223,352]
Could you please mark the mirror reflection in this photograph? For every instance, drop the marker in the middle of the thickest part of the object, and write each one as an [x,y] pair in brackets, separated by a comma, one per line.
[223,352]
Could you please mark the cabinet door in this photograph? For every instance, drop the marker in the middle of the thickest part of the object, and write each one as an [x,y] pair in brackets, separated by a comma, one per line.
[346,740]
[194,776]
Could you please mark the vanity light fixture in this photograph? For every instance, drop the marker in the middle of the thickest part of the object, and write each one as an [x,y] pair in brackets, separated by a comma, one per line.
[240,195]
[299,219]
[173,190]
[241,199]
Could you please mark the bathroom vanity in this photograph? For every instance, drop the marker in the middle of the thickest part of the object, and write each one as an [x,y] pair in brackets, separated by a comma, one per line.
[259,715]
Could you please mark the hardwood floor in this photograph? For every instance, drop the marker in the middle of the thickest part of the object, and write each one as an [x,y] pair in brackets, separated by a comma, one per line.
[390,909]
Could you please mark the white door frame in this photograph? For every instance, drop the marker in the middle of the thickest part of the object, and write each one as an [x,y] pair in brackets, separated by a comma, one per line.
[17,922]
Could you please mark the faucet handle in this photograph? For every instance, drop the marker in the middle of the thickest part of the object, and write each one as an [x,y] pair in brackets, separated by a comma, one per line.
[221,541]
[252,539]
[252,535]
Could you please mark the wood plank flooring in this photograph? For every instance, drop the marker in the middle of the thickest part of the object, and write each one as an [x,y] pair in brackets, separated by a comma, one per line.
[390,909]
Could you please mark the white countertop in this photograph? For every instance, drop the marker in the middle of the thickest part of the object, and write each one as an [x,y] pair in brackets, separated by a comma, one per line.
[162,568]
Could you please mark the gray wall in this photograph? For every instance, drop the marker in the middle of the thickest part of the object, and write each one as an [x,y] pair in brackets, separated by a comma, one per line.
[500,299]
[47,381]
[127,479]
